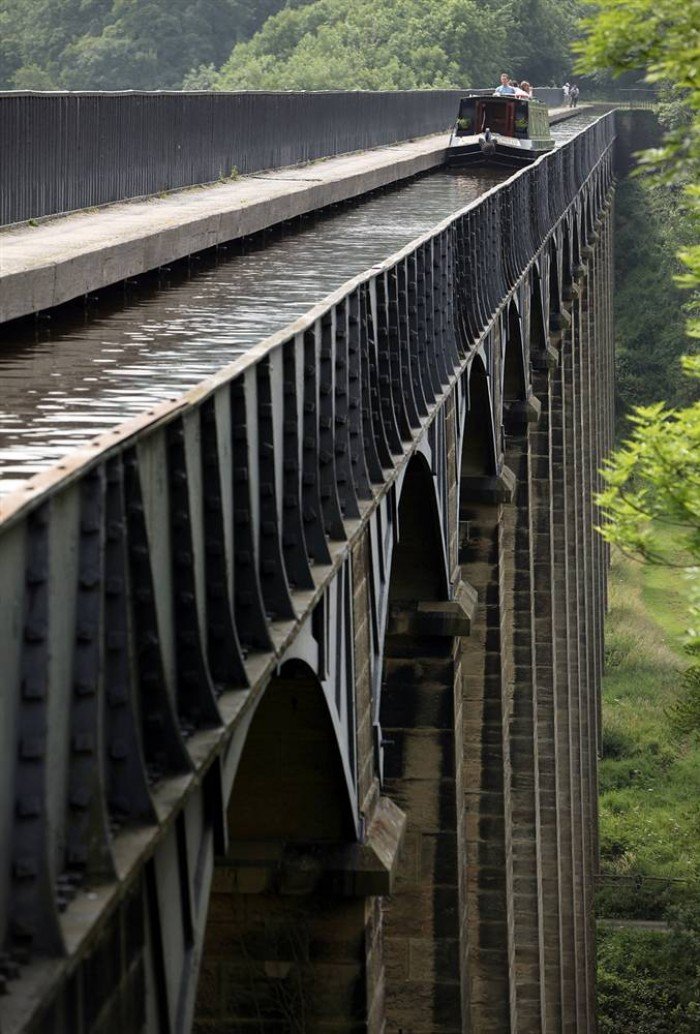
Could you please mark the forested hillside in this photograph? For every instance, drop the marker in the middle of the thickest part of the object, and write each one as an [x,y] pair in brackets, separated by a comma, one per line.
[282,44]
[404,44]
[119,44]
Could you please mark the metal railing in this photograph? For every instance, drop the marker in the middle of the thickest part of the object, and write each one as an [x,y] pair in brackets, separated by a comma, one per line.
[637,896]
[65,151]
[61,152]
[645,98]
[145,579]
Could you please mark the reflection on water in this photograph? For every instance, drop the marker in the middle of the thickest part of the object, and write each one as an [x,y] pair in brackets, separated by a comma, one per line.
[63,381]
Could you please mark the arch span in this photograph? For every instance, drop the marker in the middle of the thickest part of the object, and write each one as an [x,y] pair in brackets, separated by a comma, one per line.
[478,454]
[284,940]
[421,765]
[514,375]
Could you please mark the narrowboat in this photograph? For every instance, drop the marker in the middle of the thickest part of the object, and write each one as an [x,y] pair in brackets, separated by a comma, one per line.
[493,130]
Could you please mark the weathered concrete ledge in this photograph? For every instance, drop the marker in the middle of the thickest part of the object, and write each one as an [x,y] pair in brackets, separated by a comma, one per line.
[55,261]
[46,265]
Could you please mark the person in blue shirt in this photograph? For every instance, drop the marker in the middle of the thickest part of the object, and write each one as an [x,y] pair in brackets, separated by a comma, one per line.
[505,89]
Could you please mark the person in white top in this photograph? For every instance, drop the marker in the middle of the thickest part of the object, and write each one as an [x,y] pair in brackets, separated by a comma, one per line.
[566,89]
[524,90]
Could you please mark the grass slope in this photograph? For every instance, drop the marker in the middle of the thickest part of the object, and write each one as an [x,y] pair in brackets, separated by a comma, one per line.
[648,982]
[649,778]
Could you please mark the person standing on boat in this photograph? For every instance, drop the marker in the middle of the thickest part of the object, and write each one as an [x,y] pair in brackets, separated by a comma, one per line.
[524,90]
[505,89]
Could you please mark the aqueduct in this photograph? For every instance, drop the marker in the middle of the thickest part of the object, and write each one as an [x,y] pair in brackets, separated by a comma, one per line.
[305,666]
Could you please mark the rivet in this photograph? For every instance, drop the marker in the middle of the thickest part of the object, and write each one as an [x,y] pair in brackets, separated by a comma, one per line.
[33,688]
[115,640]
[118,749]
[34,633]
[24,868]
[31,748]
[29,806]
[80,798]
[83,743]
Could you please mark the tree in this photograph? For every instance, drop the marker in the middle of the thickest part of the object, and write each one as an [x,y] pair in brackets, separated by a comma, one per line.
[119,44]
[653,479]
[661,38]
[404,44]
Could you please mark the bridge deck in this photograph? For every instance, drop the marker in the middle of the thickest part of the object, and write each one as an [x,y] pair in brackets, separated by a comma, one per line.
[63,258]
[309,521]
[45,265]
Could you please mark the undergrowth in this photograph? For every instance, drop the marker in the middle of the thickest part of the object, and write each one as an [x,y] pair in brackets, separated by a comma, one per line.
[648,980]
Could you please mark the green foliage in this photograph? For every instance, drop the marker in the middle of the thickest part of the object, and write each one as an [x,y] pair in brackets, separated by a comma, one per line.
[404,44]
[296,44]
[119,44]
[649,823]
[653,480]
[649,771]
[684,714]
[652,484]
[649,982]
[649,317]
[662,39]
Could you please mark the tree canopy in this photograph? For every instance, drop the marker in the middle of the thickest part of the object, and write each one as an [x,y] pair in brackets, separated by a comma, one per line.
[655,475]
[404,44]
[119,44]
[282,44]
[653,479]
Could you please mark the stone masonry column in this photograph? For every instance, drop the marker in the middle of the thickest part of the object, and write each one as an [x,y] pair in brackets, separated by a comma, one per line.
[486,677]
[286,963]
[562,707]
[587,640]
[586,356]
[545,605]
[368,784]
[422,919]
[523,746]
[580,804]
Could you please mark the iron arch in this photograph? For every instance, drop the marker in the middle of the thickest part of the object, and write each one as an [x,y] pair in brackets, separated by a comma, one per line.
[514,386]
[290,755]
[478,453]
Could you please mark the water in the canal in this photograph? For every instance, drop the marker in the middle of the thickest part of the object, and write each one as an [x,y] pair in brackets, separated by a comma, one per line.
[62,381]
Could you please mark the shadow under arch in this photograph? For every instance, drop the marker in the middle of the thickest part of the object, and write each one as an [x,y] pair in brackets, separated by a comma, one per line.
[554,286]
[286,942]
[576,240]
[514,377]
[538,333]
[479,455]
[421,752]
[418,536]
[291,756]
[567,259]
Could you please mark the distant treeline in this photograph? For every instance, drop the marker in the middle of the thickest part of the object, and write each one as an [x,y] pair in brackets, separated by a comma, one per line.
[119,44]
[282,44]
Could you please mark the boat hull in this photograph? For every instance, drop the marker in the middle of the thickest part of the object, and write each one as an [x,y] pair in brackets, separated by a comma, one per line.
[497,151]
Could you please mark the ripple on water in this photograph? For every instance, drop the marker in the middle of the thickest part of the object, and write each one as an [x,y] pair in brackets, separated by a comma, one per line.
[78,376]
